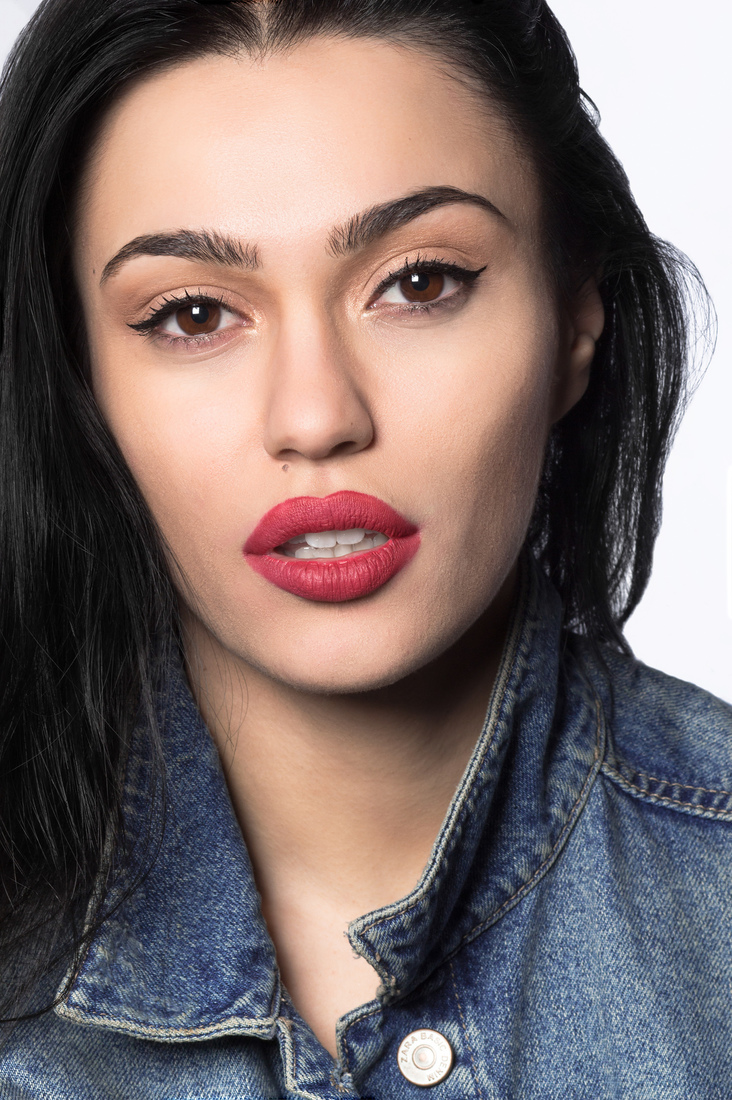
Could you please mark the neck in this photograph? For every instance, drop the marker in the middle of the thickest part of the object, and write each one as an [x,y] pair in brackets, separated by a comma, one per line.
[345,794]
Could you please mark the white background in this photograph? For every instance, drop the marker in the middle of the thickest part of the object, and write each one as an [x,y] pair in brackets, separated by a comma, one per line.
[658,71]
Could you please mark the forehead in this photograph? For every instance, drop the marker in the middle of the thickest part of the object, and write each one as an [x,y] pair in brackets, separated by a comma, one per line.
[289,145]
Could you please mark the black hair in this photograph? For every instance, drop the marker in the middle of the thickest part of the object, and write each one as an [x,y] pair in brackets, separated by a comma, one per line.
[88,607]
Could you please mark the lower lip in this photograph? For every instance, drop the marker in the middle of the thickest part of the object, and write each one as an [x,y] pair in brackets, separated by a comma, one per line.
[335,580]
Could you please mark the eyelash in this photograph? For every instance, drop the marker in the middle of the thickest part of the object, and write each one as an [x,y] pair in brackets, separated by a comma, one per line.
[171,305]
[464,275]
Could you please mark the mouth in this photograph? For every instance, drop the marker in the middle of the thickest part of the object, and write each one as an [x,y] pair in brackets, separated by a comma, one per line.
[331,549]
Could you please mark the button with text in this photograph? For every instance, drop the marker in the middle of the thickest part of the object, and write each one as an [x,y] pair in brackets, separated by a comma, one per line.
[425,1057]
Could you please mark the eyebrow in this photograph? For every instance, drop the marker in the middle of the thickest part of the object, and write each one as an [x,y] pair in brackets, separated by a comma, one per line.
[187,244]
[356,233]
[365,228]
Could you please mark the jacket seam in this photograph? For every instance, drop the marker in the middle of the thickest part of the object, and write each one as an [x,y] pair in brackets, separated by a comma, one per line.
[291,1061]
[543,867]
[695,809]
[105,1019]
[541,870]
[352,1023]
[683,786]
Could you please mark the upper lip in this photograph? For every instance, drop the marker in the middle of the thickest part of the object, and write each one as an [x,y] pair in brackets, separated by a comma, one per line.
[340,511]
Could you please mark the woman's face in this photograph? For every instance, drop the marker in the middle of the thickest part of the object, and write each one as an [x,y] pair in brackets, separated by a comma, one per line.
[286,326]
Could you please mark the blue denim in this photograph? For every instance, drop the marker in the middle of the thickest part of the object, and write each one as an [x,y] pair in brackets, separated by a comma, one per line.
[571,935]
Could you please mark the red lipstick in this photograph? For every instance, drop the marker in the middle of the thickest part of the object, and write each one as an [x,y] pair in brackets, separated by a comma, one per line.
[331,580]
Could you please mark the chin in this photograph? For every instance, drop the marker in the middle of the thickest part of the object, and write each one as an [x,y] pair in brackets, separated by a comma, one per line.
[344,675]
[362,660]
[348,649]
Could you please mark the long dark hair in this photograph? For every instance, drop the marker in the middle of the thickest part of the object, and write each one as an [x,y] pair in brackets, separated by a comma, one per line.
[88,607]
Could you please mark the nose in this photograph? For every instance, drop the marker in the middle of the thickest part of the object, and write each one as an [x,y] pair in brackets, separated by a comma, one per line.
[315,407]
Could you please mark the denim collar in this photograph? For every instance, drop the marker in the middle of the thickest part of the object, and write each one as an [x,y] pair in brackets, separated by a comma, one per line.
[188,955]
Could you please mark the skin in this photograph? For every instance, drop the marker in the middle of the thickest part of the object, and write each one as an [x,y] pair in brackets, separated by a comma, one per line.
[343,728]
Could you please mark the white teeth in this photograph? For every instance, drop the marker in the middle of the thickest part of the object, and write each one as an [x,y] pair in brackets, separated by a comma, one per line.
[321,539]
[349,538]
[332,544]
[309,553]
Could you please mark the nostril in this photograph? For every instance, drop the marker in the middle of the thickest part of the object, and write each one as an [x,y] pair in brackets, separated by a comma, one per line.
[348,446]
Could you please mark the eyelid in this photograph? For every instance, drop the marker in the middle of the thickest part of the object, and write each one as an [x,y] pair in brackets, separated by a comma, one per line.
[176,301]
[430,267]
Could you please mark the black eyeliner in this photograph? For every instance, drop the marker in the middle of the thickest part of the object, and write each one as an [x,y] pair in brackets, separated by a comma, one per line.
[429,267]
[171,306]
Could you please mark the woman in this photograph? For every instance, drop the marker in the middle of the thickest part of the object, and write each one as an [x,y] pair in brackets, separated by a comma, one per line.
[339,372]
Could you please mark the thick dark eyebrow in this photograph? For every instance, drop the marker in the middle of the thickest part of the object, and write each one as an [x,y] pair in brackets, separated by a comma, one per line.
[187,244]
[359,231]
[364,228]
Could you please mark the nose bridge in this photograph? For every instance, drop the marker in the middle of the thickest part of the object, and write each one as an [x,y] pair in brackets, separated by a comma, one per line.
[315,404]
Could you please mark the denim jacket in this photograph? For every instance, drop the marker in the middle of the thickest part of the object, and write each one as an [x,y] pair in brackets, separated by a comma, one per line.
[570,937]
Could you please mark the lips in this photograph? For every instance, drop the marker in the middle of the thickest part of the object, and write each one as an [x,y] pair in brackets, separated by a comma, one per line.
[339,579]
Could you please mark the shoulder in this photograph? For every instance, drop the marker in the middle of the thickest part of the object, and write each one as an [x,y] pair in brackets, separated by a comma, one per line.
[668,741]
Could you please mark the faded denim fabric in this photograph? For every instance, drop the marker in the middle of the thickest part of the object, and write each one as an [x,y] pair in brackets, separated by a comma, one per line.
[571,935]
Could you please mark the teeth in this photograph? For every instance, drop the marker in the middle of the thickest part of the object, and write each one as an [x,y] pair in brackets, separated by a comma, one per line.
[332,544]
[321,539]
[350,538]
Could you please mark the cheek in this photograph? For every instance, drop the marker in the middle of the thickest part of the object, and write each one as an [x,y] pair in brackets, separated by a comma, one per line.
[474,428]
[185,442]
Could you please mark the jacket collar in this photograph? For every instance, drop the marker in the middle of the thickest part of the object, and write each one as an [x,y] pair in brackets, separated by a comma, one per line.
[522,791]
[188,956]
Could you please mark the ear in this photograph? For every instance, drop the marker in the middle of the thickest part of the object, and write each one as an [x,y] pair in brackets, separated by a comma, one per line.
[584,322]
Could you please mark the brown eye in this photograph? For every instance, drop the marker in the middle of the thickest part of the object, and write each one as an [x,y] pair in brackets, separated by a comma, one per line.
[199,318]
[421,286]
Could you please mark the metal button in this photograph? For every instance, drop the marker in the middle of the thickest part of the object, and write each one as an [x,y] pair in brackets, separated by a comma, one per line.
[425,1057]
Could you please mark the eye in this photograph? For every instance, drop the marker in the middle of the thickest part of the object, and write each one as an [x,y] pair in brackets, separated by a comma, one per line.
[420,286]
[197,319]
[424,285]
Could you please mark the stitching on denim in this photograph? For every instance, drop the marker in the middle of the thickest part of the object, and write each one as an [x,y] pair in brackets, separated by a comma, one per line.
[558,844]
[365,1016]
[283,1026]
[293,1045]
[67,1011]
[290,1077]
[335,1081]
[600,740]
[597,758]
[465,1032]
[419,897]
[541,870]
[671,782]
[691,807]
